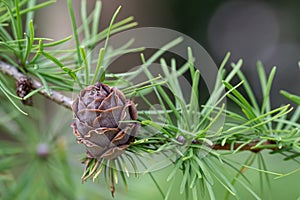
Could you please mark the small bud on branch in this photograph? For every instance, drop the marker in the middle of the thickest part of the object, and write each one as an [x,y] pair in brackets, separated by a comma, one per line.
[54,96]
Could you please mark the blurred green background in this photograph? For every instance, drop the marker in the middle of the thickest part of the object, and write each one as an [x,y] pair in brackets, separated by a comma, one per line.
[265,30]
[253,30]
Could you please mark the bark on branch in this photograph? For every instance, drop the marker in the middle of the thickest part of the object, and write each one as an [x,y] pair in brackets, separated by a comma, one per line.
[248,147]
[54,95]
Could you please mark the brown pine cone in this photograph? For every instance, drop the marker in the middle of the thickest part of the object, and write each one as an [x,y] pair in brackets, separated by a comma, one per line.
[99,112]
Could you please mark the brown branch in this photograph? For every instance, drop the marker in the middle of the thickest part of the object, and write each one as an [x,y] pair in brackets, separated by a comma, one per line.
[54,96]
[248,147]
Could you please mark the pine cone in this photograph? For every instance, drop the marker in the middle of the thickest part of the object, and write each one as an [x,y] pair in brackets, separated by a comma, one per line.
[99,112]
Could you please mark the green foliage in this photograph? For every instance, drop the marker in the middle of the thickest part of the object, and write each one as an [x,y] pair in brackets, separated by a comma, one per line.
[47,60]
[187,134]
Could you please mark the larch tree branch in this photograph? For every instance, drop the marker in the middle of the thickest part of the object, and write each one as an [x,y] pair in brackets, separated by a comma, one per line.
[55,96]
[67,103]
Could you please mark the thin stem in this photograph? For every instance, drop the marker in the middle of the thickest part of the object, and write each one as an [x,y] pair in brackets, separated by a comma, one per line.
[248,147]
[54,96]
